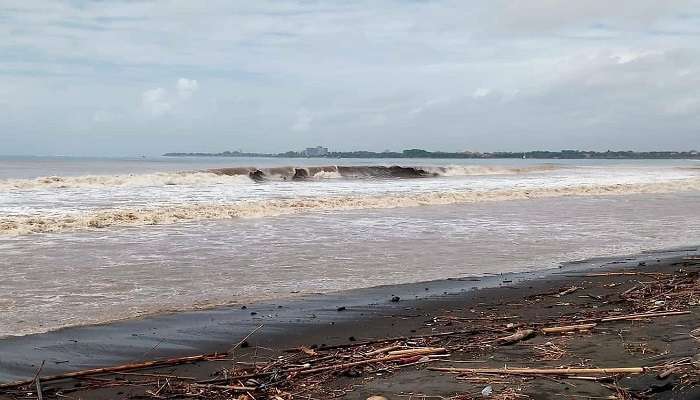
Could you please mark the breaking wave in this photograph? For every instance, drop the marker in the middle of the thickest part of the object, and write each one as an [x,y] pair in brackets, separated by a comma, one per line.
[376,171]
[274,207]
[246,175]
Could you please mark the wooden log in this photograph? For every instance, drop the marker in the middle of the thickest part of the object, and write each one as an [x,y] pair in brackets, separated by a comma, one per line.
[543,371]
[516,337]
[570,328]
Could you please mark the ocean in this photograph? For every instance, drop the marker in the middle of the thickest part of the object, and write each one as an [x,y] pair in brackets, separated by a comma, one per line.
[90,240]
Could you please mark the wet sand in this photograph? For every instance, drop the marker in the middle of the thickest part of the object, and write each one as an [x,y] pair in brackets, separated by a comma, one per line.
[423,308]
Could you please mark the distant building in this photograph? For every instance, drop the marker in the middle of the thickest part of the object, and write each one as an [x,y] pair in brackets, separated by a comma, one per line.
[317,151]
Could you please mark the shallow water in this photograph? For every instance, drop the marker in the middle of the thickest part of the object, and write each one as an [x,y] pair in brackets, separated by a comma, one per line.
[345,233]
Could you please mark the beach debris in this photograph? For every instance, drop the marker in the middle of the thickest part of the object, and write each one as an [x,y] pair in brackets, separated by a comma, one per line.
[314,371]
[516,337]
[643,315]
[569,328]
[544,371]
[568,291]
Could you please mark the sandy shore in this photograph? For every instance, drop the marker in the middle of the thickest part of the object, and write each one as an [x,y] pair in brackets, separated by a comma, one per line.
[527,301]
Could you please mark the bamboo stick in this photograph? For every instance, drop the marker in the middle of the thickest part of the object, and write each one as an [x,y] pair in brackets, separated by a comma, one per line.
[543,371]
[416,351]
[644,315]
[570,328]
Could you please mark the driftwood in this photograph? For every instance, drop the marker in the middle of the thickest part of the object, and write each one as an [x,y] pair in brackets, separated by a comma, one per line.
[311,370]
[570,328]
[644,315]
[224,387]
[567,291]
[633,316]
[516,337]
[383,350]
[119,368]
[544,371]
[416,352]
[393,339]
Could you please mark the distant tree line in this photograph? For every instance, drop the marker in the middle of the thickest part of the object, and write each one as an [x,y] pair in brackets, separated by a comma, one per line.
[420,153]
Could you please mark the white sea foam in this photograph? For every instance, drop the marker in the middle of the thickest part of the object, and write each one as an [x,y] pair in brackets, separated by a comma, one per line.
[169,214]
[476,170]
[97,181]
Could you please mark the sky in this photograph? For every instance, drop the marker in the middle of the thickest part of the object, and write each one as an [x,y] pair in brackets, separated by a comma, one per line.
[146,77]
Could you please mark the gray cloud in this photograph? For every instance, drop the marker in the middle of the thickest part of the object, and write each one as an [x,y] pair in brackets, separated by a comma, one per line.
[272,76]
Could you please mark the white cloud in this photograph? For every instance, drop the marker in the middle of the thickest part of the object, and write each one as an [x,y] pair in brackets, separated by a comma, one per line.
[481,92]
[627,63]
[159,101]
[186,87]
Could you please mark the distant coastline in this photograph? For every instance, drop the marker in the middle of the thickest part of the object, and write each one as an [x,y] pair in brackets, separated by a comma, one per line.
[419,153]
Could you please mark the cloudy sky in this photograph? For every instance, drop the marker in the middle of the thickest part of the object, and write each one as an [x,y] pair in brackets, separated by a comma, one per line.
[145,77]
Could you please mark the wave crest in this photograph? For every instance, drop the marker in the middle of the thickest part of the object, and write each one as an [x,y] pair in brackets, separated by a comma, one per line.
[246,174]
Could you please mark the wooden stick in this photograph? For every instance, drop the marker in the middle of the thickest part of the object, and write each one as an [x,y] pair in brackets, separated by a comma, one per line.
[633,316]
[543,371]
[415,352]
[644,315]
[516,337]
[232,349]
[570,328]
[225,387]
[39,391]
[384,350]
[567,291]
[370,361]
[119,368]
[478,318]
[394,339]
[623,274]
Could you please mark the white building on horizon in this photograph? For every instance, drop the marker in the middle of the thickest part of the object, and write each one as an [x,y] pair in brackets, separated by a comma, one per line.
[317,151]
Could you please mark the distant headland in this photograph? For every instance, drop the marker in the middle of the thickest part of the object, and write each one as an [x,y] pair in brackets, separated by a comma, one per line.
[323,152]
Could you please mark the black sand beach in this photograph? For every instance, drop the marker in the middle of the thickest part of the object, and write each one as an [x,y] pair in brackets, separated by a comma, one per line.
[464,316]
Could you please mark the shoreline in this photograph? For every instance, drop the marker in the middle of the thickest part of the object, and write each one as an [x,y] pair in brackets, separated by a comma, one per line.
[287,323]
